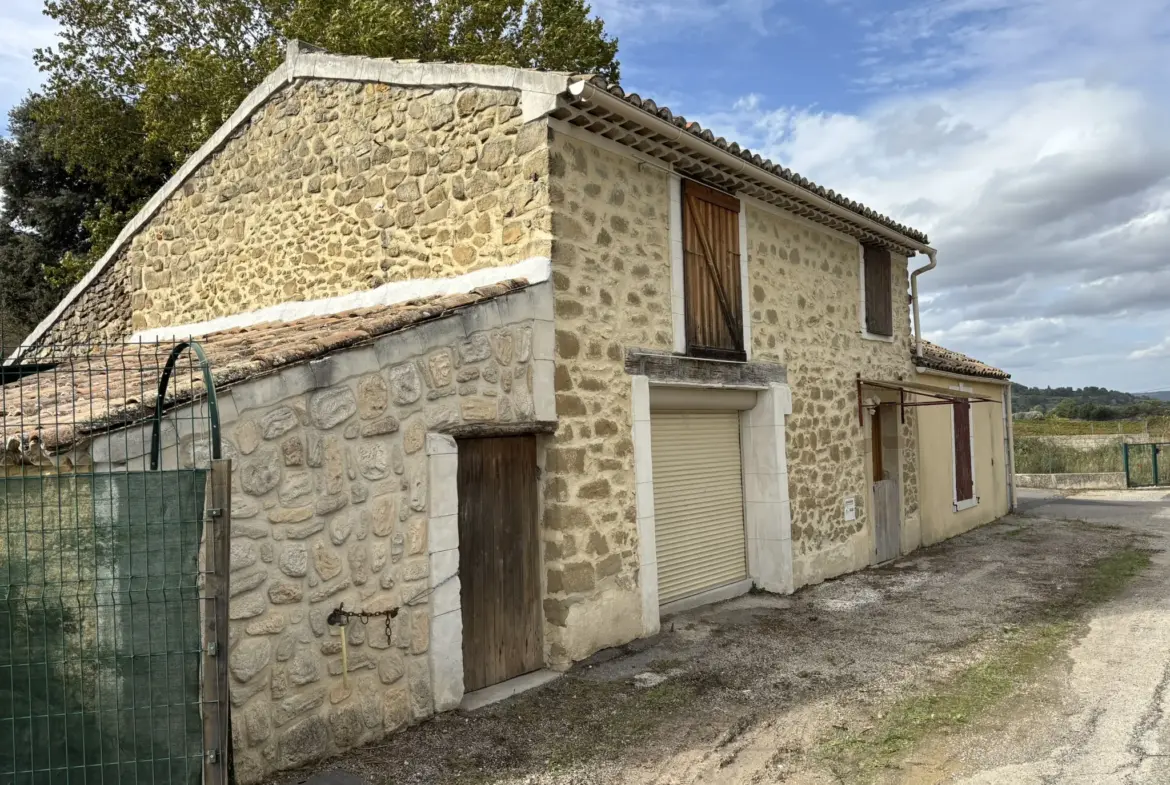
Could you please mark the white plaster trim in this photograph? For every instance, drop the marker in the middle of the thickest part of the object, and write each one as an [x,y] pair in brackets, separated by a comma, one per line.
[446,650]
[534,270]
[767,509]
[644,503]
[744,298]
[678,297]
[539,94]
[609,145]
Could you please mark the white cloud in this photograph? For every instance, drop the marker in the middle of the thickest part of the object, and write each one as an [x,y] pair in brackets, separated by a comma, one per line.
[1027,137]
[1159,351]
[22,29]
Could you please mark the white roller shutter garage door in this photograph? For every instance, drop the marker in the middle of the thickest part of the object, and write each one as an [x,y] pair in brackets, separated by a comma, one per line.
[698,501]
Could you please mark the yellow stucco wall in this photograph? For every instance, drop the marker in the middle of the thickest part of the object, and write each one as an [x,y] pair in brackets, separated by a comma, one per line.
[939,520]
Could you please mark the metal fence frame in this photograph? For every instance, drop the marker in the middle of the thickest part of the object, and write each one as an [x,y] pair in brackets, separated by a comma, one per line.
[72,379]
[1133,454]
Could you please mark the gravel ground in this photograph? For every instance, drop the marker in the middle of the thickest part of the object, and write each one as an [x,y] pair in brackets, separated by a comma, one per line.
[746,690]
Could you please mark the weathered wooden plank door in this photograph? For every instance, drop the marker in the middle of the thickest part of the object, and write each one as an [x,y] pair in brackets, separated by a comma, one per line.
[887,520]
[499,559]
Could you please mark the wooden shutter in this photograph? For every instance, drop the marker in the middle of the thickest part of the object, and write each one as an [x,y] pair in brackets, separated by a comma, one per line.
[714,307]
[879,304]
[964,479]
[698,501]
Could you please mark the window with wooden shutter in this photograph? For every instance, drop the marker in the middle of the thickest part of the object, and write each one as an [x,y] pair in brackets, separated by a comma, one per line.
[964,470]
[714,307]
[879,302]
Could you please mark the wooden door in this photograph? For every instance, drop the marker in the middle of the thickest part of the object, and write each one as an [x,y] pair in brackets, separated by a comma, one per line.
[499,559]
[887,519]
[887,529]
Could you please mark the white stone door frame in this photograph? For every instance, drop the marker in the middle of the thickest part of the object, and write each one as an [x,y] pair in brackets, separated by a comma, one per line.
[446,650]
[767,510]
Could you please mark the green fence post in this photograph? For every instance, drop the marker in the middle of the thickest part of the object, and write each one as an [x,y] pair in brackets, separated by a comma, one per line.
[1154,451]
[1125,462]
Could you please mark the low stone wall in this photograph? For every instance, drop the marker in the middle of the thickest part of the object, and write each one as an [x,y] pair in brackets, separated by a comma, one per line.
[336,500]
[1088,442]
[1073,482]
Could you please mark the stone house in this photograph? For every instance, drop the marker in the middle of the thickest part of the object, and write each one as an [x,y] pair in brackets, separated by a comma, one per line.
[967,471]
[687,362]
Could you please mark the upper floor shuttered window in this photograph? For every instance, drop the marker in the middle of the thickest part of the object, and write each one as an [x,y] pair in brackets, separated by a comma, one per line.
[879,302]
[711,273]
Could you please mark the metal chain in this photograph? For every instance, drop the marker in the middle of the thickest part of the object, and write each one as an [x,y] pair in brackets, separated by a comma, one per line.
[340,617]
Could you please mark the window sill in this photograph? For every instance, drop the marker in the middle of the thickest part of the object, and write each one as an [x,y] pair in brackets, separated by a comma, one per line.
[966,504]
[868,336]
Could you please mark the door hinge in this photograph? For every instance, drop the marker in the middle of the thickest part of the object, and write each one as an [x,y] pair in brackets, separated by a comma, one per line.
[215,512]
[212,756]
[213,649]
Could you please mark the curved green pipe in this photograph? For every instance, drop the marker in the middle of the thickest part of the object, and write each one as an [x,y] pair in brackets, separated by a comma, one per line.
[212,403]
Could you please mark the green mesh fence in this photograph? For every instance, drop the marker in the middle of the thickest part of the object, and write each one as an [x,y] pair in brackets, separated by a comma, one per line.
[1147,465]
[100,627]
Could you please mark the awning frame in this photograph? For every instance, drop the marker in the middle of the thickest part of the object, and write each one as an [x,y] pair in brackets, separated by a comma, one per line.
[938,397]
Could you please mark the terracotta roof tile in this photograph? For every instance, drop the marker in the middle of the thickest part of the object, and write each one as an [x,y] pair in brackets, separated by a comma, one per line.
[937,358]
[695,128]
[117,385]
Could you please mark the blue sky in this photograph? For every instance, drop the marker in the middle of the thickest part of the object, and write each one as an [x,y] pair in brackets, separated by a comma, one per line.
[1026,136]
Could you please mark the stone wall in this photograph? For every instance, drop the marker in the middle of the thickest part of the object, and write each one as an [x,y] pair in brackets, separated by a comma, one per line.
[329,188]
[332,505]
[611,272]
[805,296]
[1112,481]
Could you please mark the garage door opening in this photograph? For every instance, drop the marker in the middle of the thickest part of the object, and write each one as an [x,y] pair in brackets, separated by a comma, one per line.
[698,502]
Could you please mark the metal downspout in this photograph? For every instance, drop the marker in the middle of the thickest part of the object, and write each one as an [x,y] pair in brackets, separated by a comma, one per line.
[1009,446]
[933,256]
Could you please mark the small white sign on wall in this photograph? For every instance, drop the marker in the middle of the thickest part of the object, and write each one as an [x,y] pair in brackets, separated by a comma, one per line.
[850,508]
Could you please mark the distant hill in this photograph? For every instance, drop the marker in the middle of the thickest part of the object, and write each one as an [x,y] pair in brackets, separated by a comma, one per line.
[1089,403]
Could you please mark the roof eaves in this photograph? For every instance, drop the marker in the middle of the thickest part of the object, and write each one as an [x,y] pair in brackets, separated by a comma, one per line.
[755,159]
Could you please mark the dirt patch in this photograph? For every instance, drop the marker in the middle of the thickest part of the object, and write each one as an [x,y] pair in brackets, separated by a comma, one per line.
[752,690]
[1009,664]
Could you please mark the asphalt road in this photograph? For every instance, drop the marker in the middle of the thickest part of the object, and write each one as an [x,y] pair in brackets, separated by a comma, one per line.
[1110,720]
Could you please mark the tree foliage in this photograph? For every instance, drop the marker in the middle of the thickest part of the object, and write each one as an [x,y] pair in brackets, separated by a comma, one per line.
[1087,403]
[186,64]
[133,87]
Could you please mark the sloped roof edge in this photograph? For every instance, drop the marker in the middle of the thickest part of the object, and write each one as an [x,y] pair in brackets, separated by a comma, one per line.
[539,94]
[938,358]
[97,393]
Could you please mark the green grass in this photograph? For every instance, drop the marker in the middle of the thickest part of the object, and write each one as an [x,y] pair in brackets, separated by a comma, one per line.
[1056,426]
[971,693]
[1041,456]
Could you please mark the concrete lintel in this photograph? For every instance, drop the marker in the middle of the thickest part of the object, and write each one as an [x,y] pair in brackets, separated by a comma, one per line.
[673,369]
